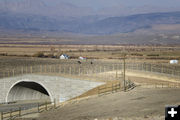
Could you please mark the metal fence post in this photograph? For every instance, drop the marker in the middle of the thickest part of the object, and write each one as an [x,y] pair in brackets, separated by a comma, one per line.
[22,70]
[13,72]
[70,70]
[79,70]
[31,69]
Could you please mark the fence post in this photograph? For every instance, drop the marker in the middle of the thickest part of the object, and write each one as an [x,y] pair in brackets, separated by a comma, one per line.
[70,70]
[2,116]
[59,69]
[112,88]
[50,68]
[10,114]
[46,106]
[26,69]
[19,111]
[38,108]
[79,70]
[31,69]
[116,74]
[13,72]
[98,91]
[136,66]
[3,74]
[162,69]
[8,74]
[22,70]
[54,103]
[41,69]
[54,68]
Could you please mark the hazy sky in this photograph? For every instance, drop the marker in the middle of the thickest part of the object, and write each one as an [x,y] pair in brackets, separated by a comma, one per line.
[98,4]
[98,7]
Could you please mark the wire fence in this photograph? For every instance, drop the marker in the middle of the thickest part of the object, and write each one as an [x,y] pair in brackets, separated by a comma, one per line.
[108,71]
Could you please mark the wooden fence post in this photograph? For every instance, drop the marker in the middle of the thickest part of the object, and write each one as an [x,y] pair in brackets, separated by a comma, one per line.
[116,74]
[46,106]
[98,91]
[19,111]
[2,116]
[38,108]
[54,103]
[10,114]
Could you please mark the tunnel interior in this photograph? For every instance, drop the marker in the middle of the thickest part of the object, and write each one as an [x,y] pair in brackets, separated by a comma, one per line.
[27,91]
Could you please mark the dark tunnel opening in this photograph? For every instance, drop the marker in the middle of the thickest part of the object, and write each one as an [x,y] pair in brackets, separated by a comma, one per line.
[27,91]
[33,86]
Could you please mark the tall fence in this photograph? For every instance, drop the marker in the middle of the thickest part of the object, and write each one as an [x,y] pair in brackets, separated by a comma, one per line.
[108,71]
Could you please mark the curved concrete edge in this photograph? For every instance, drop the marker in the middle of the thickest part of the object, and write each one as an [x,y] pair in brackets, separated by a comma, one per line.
[59,88]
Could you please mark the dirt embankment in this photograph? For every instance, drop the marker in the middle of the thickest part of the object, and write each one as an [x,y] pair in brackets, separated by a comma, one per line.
[138,104]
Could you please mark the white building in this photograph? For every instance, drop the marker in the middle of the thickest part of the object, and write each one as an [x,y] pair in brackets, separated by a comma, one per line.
[64,56]
[82,58]
[173,61]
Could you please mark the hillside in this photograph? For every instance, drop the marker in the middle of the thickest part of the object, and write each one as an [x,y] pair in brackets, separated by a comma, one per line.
[131,23]
[89,24]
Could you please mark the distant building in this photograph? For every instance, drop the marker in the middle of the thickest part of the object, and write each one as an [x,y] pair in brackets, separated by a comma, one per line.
[64,56]
[82,58]
[173,61]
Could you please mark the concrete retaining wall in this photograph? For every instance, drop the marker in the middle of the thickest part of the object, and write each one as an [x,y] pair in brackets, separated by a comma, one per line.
[58,88]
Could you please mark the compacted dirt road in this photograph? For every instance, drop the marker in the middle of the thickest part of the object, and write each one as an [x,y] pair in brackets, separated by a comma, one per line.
[137,104]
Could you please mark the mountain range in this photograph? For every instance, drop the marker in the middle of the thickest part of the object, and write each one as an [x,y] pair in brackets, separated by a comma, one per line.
[61,17]
[88,24]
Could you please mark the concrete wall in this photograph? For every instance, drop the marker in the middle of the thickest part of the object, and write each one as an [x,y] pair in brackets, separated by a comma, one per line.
[58,88]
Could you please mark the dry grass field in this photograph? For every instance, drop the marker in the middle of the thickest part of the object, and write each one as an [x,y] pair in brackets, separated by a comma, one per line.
[151,53]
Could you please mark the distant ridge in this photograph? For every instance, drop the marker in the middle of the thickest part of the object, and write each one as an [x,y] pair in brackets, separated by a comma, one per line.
[111,25]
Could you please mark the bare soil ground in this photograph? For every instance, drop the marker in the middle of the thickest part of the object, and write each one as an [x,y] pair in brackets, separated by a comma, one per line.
[138,104]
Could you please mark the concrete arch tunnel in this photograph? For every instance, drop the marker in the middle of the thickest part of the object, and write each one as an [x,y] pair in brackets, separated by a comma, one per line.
[27,90]
[33,87]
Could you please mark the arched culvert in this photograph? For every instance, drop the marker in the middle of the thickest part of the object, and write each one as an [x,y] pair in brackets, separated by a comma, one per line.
[27,91]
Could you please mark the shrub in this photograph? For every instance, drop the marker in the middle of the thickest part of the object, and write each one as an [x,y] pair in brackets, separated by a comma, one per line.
[38,54]
[153,55]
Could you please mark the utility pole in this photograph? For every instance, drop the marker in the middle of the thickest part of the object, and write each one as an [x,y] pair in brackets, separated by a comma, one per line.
[124,59]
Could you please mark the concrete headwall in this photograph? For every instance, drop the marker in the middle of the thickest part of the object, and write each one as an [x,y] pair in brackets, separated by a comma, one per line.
[58,88]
